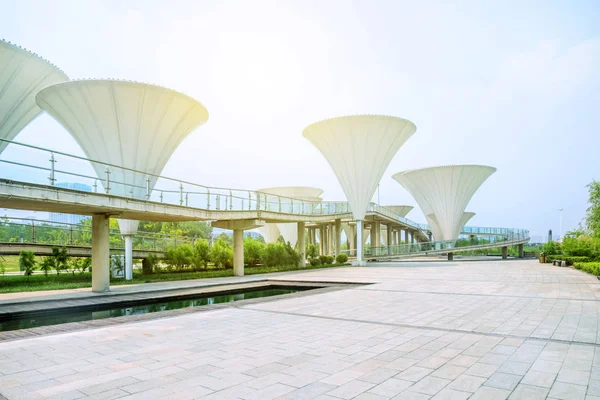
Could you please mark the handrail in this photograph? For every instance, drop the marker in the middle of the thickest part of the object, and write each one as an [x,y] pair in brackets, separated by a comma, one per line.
[75,234]
[127,182]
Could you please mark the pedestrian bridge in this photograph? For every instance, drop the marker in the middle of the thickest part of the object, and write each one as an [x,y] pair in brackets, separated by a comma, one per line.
[29,176]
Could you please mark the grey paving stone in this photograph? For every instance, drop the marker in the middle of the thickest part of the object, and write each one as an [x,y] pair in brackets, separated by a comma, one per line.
[391,387]
[501,380]
[527,392]
[567,391]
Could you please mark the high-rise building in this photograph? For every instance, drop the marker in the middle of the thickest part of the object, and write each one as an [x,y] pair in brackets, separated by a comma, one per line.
[70,218]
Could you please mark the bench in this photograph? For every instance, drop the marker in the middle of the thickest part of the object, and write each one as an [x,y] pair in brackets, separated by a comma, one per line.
[559,263]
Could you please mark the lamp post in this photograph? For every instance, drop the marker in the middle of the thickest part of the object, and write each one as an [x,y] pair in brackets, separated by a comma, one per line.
[560,210]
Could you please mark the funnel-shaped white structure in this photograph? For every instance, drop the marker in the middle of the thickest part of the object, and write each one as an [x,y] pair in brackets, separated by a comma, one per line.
[270,232]
[127,124]
[359,148]
[443,194]
[289,230]
[22,75]
[465,218]
[400,210]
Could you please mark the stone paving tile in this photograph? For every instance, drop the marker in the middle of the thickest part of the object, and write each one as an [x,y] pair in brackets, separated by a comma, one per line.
[442,331]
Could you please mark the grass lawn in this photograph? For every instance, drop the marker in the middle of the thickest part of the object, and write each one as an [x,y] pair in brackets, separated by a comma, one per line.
[12,262]
[19,283]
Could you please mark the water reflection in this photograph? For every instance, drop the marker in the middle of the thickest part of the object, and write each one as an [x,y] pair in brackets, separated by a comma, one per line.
[33,321]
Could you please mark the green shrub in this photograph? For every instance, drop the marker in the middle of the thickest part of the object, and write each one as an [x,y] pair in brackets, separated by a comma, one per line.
[341,258]
[149,264]
[578,244]
[253,251]
[552,248]
[589,267]
[221,253]
[570,260]
[180,257]
[312,251]
[315,261]
[326,259]
[279,254]
[201,254]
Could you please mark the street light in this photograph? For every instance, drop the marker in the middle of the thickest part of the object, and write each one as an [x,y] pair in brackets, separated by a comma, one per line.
[560,210]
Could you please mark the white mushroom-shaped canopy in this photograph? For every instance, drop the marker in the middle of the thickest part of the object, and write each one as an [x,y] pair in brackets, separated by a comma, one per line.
[443,193]
[22,75]
[359,148]
[288,230]
[270,232]
[400,210]
[127,124]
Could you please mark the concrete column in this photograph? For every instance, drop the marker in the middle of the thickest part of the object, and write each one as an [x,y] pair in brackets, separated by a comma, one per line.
[301,247]
[238,252]
[128,257]
[450,256]
[377,228]
[521,251]
[389,239]
[322,240]
[338,237]
[505,252]
[406,236]
[413,235]
[359,244]
[100,254]
[330,239]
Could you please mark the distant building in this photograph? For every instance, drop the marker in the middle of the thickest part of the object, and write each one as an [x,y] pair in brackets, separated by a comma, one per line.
[70,218]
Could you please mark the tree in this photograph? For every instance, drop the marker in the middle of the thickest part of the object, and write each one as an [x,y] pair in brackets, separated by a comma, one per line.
[80,264]
[593,211]
[27,262]
[60,257]
[47,265]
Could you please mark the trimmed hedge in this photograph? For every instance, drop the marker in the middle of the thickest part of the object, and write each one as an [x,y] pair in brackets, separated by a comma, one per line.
[589,267]
[341,258]
[571,260]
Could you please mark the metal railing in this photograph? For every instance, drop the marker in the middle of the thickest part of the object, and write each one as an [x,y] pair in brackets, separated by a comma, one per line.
[508,235]
[42,166]
[37,165]
[26,230]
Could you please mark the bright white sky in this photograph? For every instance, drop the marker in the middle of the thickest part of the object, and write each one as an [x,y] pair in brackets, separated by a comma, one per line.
[507,84]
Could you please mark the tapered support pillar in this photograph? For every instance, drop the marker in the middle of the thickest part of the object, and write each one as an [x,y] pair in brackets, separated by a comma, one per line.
[376,236]
[128,257]
[450,256]
[406,236]
[301,247]
[521,251]
[389,239]
[504,252]
[238,252]
[413,235]
[100,254]
[338,237]
[359,244]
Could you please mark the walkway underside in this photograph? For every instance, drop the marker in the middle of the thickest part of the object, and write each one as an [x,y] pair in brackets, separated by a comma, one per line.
[28,196]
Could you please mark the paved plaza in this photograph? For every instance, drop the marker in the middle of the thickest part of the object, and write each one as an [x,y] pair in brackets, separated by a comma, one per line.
[485,330]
